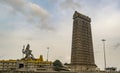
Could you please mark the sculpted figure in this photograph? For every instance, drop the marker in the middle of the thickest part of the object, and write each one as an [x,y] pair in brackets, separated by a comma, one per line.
[27,52]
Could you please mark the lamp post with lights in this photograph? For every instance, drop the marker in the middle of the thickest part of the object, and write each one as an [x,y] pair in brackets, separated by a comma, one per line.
[103,40]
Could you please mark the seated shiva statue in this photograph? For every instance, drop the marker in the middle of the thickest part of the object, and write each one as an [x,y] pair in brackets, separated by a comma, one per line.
[27,52]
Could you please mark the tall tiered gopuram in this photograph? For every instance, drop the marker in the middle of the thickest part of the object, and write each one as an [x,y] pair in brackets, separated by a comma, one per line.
[82,57]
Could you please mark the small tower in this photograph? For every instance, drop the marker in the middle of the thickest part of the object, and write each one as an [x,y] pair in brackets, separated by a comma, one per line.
[41,58]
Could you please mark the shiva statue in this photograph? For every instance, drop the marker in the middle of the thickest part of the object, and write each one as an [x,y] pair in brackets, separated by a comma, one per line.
[27,52]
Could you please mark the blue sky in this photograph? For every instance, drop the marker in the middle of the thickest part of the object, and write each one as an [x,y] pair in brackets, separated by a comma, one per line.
[48,23]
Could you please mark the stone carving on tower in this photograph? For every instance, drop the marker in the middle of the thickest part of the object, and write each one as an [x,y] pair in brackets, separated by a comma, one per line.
[82,56]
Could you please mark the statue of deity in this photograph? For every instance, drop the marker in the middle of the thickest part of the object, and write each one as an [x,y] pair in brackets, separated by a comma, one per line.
[27,52]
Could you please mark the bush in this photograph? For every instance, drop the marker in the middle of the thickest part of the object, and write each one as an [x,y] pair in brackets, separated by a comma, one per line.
[57,65]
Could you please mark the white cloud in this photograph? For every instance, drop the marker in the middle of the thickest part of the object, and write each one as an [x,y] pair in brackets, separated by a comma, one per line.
[70,4]
[32,12]
[105,24]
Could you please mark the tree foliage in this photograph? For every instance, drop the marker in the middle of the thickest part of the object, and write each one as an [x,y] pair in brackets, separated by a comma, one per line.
[57,65]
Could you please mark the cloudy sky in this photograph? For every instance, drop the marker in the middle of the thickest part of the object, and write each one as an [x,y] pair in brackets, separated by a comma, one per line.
[48,23]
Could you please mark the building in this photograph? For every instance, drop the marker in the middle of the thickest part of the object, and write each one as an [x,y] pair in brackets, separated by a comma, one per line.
[30,64]
[27,63]
[82,56]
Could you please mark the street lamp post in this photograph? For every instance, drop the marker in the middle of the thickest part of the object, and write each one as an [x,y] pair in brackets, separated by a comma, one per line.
[103,40]
[47,53]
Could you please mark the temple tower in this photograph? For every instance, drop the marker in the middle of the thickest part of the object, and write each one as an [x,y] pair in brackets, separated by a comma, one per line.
[82,57]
